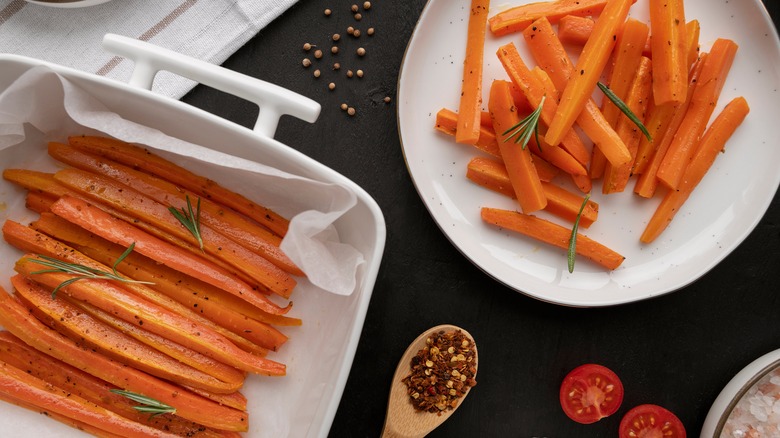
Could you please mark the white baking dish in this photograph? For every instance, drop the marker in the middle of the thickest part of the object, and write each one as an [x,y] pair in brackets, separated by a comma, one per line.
[316,377]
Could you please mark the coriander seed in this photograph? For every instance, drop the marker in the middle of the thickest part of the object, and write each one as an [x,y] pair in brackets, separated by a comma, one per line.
[350,30]
[336,66]
[354,8]
[351,111]
[327,12]
[356,33]
[387,99]
[344,107]
[370,31]
[318,54]
[360,51]
[306,62]
[349,73]
[358,16]
[366,5]
[359,73]
[306,46]
[317,73]
[334,50]
[331,86]
[336,37]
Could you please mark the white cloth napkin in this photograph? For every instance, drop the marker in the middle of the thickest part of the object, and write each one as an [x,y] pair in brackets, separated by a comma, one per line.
[210,30]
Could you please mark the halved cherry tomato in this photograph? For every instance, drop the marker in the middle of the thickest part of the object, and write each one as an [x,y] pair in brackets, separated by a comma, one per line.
[650,421]
[591,392]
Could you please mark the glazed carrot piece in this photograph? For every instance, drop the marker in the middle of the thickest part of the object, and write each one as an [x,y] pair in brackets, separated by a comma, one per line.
[628,53]
[692,32]
[518,18]
[552,57]
[14,317]
[107,191]
[470,105]
[61,375]
[492,175]
[522,173]
[589,67]
[639,95]
[447,122]
[104,225]
[711,144]
[89,332]
[533,89]
[40,183]
[19,385]
[703,101]
[574,30]
[225,221]
[38,202]
[670,51]
[583,182]
[234,400]
[553,234]
[143,159]
[648,182]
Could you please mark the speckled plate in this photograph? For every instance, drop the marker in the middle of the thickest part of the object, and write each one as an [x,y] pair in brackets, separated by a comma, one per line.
[724,209]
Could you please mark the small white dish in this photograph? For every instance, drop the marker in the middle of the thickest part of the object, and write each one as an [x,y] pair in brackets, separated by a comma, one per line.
[68,3]
[753,385]
[720,214]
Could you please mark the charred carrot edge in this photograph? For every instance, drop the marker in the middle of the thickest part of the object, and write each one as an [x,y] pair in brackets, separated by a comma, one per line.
[711,144]
[104,225]
[575,30]
[226,222]
[108,191]
[57,373]
[470,105]
[616,177]
[15,318]
[670,51]
[145,160]
[522,173]
[588,69]
[492,175]
[17,384]
[647,182]
[547,49]
[518,18]
[553,234]
[89,332]
[703,102]
[628,55]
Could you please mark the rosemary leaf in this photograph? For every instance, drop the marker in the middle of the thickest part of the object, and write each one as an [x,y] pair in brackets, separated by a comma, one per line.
[147,404]
[190,220]
[572,253]
[524,128]
[625,109]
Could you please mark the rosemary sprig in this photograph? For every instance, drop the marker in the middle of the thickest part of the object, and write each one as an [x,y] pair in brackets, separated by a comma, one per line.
[625,109]
[190,220]
[82,272]
[573,239]
[524,128]
[148,404]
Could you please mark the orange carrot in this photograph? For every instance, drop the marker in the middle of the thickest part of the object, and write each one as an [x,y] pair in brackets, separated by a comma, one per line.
[522,173]
[703,101]
[628,53]
[518,18]
[589,67]
[551,56]
[38,202]
[104,225]
[711,144]
[692,32]
[670,51]
[492,175]
[143,159]
[574,30]
[41,183]
[616,177]
[447,122]
[15,318]
[553,234]
[471,92]
[534,91]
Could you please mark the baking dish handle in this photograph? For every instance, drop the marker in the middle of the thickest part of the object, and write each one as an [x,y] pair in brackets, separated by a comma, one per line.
[274,101]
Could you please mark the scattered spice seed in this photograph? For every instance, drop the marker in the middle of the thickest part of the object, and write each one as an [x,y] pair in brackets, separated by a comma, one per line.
[359,73]
[344,107]
[350,30]
[334,50]
[370,31]
[349,73]
[351,111]
[336,66]
[356,33]
[318,54]
[306,62]
[307,46]
[387,100]
[336,37]
[317,73]
[441,373]
[360,51]
[354,8]
[358,16]
[332,86]
[327,12]
[366,5]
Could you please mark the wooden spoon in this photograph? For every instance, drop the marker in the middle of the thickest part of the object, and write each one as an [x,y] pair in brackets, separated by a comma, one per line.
[402,420]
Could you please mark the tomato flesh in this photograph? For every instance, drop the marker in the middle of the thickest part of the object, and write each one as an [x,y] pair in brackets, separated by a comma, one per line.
[651,421]
[591,392]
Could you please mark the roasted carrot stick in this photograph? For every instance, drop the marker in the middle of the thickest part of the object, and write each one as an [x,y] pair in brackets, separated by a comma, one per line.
[575,30]
[41,183]
[628,53]
[471,91]
[522,173]
[145,160]
[518,18]
[670,51]
[639,95]
[553,234]
[589,67]
[447,122]
[101,223]
[492,175]
[38,202]
[711,144]
[15,318]
[703,101]
[19,385]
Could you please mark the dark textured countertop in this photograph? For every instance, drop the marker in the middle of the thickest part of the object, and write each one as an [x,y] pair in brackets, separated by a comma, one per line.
[678,350]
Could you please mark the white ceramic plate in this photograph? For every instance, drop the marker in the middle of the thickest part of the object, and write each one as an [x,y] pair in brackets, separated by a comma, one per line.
[728,204]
